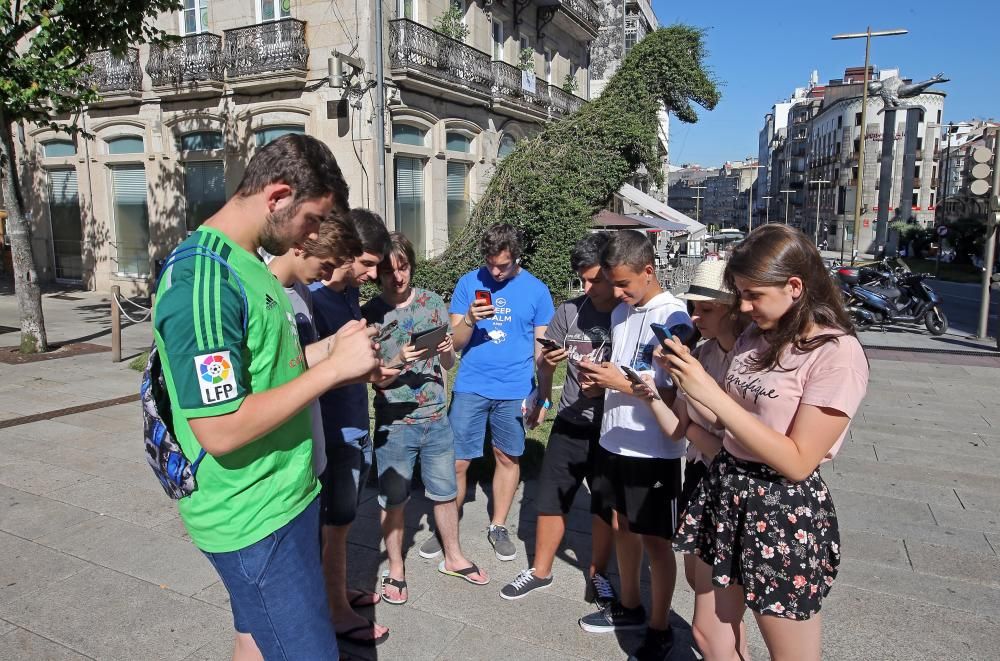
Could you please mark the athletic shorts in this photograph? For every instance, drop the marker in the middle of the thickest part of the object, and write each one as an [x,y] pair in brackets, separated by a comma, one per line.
[645,491]
[568,461]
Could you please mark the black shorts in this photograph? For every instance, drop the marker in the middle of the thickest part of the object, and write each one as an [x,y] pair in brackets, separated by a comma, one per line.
[567,463]
[644,491]
[694,471]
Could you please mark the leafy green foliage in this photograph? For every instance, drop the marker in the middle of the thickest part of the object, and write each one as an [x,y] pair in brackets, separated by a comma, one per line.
[452,23]
[552,184]
[914,237]
[967,236]
[569,84]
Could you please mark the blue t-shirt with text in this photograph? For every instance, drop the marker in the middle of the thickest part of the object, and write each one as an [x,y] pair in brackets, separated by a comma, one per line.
[498,362]
[345,409]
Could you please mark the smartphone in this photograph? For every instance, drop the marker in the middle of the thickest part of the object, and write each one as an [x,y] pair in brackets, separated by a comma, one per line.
[682,332]
[548,344]
[634,377]
[483,297]
[385,332]
[662,333]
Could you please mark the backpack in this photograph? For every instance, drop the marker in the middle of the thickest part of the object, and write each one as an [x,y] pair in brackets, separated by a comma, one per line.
[173,469]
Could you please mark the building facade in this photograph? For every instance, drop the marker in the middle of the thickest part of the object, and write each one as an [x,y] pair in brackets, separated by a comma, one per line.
[958,140]
[177,124]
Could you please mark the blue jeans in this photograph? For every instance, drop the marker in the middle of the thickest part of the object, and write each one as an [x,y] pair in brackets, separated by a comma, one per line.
[277,592]
[397,446]
[469,414]
[347,467]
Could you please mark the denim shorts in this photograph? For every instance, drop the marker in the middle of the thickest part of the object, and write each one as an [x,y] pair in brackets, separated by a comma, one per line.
[347,466]
[277,592]
[469,414]
[397,446]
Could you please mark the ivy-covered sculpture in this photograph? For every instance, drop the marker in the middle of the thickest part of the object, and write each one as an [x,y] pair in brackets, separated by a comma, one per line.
[552,184]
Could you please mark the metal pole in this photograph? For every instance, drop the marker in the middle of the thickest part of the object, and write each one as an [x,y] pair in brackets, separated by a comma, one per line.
[116,325]
[819,194]
[379,113]
[861,145]
[947,179]
[991,228]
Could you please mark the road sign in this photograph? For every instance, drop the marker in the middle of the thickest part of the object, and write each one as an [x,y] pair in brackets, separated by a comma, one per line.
[982,154]
[942,230]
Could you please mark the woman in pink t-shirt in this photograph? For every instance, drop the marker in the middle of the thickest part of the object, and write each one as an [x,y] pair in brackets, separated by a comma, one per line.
[762,523]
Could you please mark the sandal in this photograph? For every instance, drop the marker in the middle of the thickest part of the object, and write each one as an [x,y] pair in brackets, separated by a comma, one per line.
[359,595]
[350,637]
[399,585]
[464,573]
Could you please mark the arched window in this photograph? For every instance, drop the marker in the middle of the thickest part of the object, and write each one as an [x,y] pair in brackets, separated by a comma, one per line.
[126,144]
[58,148]
[201,141]
[458,142]
[406,134]
[269,133]
[507,145]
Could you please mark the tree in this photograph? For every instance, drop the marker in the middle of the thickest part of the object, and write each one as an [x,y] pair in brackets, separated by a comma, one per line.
[44,77]
[552,184]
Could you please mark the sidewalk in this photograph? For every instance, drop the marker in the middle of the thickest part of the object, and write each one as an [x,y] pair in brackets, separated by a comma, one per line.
[97,564]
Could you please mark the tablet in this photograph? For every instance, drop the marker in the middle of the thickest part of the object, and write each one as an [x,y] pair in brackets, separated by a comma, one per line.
[429,339]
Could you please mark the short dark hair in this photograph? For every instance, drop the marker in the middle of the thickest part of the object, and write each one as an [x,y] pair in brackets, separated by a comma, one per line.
[371,230]
[500,237]
[336,240]
[587,251]
[629,247]
[303,163]
[400,248]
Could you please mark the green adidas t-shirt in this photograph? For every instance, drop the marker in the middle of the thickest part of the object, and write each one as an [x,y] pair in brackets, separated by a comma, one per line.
[211,364]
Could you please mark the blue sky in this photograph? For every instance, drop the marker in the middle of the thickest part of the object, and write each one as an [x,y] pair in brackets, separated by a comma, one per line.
[761,51]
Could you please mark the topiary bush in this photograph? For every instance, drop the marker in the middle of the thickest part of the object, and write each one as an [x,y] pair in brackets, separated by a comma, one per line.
[552,184]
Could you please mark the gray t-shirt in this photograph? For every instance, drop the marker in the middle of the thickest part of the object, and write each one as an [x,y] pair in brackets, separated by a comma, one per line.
[585,332]
[301,300]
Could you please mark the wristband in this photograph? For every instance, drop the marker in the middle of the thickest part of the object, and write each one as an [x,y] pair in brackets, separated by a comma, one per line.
[466,320]
[544,403]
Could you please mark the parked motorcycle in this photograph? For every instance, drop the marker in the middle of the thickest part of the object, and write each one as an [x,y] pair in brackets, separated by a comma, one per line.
[882,295]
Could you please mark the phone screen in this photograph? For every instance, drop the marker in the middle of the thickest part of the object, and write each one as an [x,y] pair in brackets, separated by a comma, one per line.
[484,297]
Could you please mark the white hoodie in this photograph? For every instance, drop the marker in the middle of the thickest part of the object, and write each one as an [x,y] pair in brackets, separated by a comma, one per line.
[629,427]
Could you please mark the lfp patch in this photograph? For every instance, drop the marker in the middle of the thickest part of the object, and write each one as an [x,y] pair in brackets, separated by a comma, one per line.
[216,379]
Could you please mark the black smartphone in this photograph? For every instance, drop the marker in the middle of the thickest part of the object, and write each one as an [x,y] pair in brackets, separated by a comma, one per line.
[547,344]
[634,377]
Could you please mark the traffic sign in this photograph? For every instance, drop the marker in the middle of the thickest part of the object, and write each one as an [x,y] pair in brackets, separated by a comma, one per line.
[982,154]
[942,230]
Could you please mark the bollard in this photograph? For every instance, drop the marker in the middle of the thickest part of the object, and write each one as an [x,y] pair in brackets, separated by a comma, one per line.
[116,326]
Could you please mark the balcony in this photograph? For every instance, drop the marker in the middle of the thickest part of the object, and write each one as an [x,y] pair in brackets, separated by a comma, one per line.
[510,98]
[267,56]
[429,62]
[581,19]
[564,103]
[119,80]
[190,68]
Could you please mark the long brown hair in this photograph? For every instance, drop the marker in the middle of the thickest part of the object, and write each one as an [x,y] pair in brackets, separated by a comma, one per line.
[769,256]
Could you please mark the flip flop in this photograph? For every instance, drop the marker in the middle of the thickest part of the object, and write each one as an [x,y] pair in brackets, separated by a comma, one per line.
[399,585]
[367,642]
[362,594]
[463,573]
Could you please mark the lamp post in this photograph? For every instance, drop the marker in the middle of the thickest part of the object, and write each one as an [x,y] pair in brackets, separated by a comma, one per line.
[767,208]
[786,192]
[819,194]
[867,35]
[697,202]
[753,183]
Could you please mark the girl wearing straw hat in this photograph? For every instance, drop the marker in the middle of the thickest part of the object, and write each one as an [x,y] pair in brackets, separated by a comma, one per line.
[720,326]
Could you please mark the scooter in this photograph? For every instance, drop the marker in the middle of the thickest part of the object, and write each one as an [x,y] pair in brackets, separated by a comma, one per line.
[894,298]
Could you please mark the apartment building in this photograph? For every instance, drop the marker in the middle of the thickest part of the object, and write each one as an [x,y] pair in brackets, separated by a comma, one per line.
[177,124]
[958,140]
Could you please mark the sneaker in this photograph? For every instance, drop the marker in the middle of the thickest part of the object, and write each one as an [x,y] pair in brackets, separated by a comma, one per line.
[656,646]
[614,618]
[524,583]
[431,548]
[600,592]
[502,546]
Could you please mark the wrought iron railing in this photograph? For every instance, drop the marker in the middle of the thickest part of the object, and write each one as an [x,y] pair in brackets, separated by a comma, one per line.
[415,46]
[564,103]
[115,74]
[507,84]
[586,10]
[194,57]
[266,47]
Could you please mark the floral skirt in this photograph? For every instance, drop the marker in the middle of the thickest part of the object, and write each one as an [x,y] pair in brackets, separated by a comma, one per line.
[777,538]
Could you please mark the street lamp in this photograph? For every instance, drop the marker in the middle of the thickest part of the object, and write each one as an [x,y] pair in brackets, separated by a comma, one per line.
[697,202]
[819,194]
[767,209]
[786,192]
[868,34]
[750,197]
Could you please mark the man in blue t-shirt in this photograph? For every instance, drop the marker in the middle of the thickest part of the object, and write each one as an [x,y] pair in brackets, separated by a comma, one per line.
[496,374]
[346,428]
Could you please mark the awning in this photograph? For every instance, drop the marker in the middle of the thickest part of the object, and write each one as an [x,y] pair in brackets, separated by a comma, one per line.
[658,223]
[650,205]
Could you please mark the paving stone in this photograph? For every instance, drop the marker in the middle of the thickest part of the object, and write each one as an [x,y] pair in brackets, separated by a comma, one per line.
[5,627]
[972,445]
[134,504]
[214,594]
[902,489]
[979,568]
[217,650]
[967,518]
[37,477]
[904,423]
[476,643]
[937,476]
[958,538]
[91,420]
[853,507]
[146,621]
[27,566]
[986,466]
[413,634]
[173,527]
[979,500]
[871,625]
[874,548]
[137,551]
[29,516]
[23,645]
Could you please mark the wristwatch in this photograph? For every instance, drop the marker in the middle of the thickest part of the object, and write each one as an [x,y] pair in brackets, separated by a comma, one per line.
[544,403]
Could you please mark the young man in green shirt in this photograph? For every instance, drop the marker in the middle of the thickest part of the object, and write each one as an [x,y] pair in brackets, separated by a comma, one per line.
[240,384]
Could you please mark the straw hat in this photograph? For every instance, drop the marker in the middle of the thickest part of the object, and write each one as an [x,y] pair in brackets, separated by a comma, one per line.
[708,283]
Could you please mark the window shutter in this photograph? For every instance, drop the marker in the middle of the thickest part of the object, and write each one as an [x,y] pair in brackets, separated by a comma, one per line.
[409,179]
[129,184]
[63,187]
[457,174]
